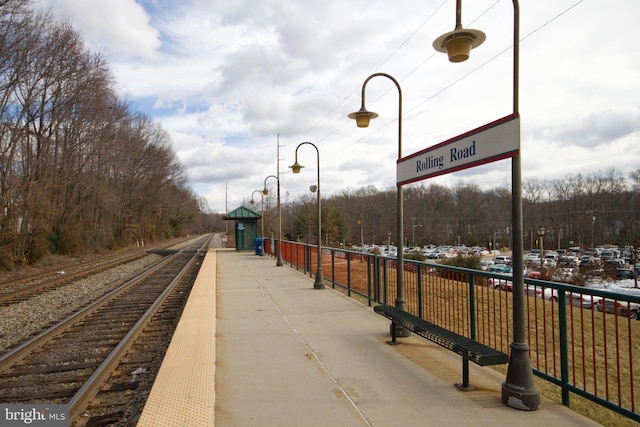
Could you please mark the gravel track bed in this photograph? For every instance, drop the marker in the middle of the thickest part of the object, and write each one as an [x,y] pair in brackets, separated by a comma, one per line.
[22,320]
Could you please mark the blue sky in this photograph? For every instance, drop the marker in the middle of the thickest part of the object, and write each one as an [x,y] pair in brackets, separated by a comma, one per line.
[226,78]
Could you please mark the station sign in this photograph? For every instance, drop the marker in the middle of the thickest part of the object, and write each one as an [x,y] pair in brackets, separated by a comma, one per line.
[494,141]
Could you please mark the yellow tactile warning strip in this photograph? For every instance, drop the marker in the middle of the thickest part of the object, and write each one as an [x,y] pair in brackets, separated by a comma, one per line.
[184,391]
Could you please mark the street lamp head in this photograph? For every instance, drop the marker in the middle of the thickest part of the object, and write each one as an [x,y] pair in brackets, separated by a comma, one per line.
[458,43]
[363,117]
[541,231]
[313,188]
[296,167]
[254,192]
[265,191]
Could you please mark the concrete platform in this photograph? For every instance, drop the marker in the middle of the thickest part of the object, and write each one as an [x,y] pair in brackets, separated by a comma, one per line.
[290,355]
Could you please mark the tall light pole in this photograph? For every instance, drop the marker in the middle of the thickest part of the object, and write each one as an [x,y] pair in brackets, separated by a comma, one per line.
[362,118]
[413,234]
[541,231]
[279,244]
[296,167]
[360,223]
[519,389]
[593,222]
[261,219]
[265,191]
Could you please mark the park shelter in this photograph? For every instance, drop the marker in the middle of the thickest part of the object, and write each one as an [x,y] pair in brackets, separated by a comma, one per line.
[246,227]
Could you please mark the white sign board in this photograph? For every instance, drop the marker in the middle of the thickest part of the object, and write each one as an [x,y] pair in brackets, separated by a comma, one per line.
[494,141]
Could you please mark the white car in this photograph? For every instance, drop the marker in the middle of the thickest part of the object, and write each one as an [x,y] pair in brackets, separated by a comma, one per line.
[573,298]
[532,257]
[502,259]
[485,265]
[540,292]
[499,283]
[581,300]
[620,308]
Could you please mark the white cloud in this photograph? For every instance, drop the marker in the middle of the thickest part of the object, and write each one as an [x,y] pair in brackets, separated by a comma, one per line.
[120,27]
[225,78]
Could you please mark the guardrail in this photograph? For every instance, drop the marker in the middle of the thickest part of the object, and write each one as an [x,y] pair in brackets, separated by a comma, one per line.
[583,350]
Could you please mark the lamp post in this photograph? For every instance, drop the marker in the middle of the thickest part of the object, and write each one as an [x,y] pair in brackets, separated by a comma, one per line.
[362,118]
[296,167]
[593,222]
[494,246]
[265,191]
[261,219]
[413,234]
[541,231]
[519,390]
[361,233]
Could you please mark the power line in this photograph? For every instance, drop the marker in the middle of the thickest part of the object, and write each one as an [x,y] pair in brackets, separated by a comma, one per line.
[440,91]
[356,90]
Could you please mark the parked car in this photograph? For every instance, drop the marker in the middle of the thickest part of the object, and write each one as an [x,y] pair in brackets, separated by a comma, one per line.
[484,265]
[537,274]
[568,261]
[502,284]
[573,298]
[612,264]
[588,260]
[625,273]
[499,268]
[608,254]
[498,283]
[540,292]
[620,308]
[551,259]
[532,257]
[502,259]
[534,274]
[581,300]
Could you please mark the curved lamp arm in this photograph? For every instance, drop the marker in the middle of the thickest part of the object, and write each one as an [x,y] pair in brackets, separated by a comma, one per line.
[363,116]
[265,191]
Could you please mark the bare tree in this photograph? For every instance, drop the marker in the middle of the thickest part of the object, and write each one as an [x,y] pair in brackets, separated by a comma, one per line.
[78,169]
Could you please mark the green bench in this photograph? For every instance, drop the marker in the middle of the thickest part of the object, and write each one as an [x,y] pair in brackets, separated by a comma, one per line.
[466,347]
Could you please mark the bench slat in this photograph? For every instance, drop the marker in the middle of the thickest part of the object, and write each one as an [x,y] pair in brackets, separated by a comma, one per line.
[464,346]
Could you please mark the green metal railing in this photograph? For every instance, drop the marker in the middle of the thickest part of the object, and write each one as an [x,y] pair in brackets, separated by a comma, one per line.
[583,351]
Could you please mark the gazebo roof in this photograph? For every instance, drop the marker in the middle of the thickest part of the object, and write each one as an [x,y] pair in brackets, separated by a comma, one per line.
[242,213]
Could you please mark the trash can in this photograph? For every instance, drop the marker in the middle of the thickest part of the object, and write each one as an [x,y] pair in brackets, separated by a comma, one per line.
[258,246]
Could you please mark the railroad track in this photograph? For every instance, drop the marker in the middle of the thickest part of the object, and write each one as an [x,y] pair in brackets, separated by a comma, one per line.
[21,288]
[70,362]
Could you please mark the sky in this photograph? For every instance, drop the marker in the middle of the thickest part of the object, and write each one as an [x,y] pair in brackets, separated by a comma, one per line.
[241,84]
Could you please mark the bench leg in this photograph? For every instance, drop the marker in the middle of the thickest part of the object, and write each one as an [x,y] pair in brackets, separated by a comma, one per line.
[394,340]
[465,386]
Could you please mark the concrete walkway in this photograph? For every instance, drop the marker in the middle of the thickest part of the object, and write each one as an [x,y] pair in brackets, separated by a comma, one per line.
[291,355]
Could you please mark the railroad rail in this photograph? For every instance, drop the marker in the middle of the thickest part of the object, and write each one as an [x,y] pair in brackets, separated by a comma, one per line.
[20,288]
[69,362]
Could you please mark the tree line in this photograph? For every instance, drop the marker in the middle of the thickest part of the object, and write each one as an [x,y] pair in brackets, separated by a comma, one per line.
[80,169]
[585,210]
